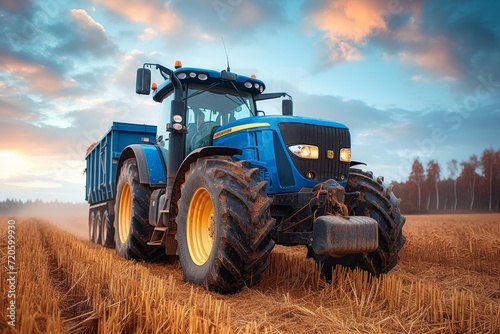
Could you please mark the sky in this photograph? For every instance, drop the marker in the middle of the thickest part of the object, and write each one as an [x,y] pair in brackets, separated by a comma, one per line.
[410,78]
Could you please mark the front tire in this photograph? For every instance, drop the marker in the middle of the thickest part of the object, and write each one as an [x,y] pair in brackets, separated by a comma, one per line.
[132,230]
[375,200]
[224,225]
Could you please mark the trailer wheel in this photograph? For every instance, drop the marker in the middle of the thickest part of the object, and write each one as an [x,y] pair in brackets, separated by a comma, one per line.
[107,232]
[224,225]
[132,230]
[375,200]
[92,224]
[98,227]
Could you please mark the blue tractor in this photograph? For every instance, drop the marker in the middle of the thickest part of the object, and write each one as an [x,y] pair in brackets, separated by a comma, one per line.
[220,183]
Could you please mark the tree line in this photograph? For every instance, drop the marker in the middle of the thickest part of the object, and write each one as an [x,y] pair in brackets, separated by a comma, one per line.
[13,207]
[471,186]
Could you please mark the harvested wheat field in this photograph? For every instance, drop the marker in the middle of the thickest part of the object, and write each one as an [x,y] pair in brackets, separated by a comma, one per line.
[448,281]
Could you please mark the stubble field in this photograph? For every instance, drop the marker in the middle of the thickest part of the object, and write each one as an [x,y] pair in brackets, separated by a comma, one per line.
[448,281]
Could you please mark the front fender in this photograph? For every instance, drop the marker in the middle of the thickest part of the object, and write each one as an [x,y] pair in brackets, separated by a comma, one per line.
[205,152]
[192,157]
[150,163]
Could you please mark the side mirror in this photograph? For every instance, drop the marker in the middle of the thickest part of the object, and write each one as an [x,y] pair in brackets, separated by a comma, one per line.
[287,107]
[143,81]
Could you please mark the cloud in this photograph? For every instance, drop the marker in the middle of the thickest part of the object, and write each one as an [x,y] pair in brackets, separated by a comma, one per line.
[12,108]
[15,6]
[470,32]
[430,52]
[156,13]
[35,184]
[35,141]
[147,34]
[419,78]
[31,76]
[238,21]
[452,40]
[50,51]
[88,39]
[346,25]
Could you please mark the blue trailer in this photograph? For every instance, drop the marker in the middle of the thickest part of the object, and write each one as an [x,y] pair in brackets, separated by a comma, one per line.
[219,182]
[101,167]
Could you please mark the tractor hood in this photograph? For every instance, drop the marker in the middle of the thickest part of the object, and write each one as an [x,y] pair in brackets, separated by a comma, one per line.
[292,153]
[273,122]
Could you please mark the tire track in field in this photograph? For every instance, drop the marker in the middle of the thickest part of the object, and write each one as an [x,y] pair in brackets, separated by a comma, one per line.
[75,306]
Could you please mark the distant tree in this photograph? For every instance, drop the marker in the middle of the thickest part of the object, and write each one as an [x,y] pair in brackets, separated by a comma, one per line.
[433,170]
[488,162]
[417,176]
[453,169]
[446,194]
[469,175]
[496,169]
[496,181]
[407,192]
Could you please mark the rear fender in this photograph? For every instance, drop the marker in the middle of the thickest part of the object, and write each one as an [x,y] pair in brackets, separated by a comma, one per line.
[150,164]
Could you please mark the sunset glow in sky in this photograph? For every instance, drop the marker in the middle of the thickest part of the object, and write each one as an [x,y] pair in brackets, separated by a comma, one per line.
[410,78]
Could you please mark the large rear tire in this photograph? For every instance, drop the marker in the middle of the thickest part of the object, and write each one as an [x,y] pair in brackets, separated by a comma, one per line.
[132,229]
[224,225]
[375,200]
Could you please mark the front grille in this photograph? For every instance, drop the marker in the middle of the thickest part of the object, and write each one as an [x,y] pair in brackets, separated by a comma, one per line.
[327,139]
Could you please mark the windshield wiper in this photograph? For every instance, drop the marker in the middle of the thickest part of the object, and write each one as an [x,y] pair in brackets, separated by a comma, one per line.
[231,98]
[241,97]
[198,92]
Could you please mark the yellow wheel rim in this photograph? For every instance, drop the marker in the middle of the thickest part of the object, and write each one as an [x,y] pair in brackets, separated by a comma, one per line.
[125,213]
[200,226]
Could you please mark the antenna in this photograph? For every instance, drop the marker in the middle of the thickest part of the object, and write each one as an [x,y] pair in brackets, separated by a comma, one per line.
[225,50]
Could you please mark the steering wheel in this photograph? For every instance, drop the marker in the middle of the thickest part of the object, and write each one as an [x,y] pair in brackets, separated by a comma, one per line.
[202,137]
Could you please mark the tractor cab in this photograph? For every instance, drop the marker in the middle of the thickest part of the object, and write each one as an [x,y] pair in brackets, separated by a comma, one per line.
[210,99]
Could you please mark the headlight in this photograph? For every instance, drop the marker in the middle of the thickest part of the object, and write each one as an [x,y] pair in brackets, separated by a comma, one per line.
[345,154]
[305,151]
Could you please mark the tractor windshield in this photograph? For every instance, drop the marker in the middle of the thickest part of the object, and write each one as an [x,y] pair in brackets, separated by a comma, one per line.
[213,107]
[218,104]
